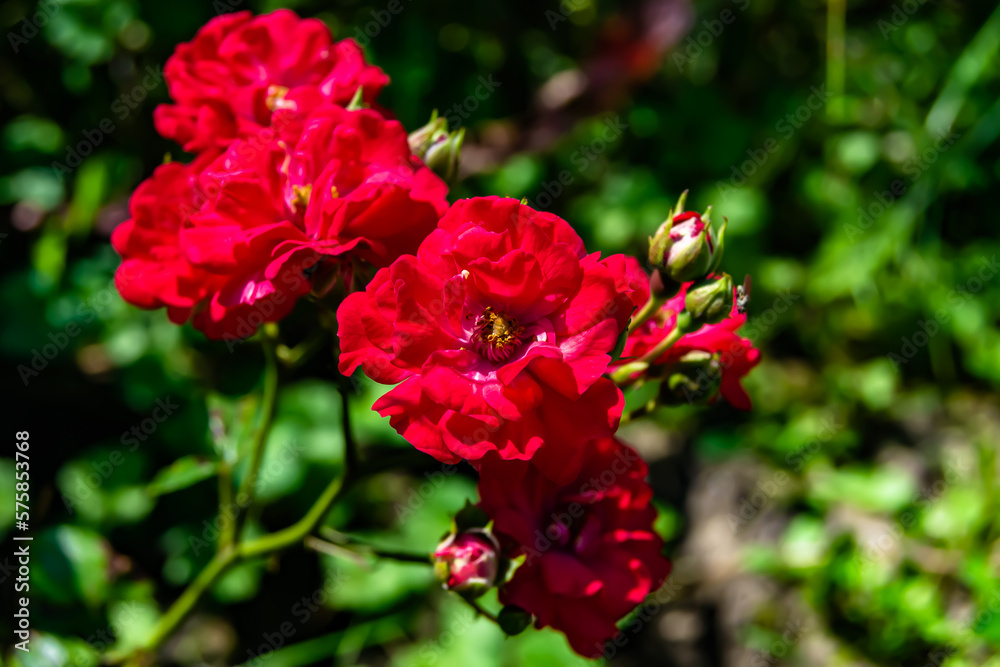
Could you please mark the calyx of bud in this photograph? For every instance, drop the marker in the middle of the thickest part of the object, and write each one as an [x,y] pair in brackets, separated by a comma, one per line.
[709,301]
[437,147]
[686,247]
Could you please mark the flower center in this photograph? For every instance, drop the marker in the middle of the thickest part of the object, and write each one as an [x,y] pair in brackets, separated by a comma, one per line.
[497,335]
[300,196]
[275,97]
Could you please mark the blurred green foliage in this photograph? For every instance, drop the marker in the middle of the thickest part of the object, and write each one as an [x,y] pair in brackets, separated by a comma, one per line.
[853,148]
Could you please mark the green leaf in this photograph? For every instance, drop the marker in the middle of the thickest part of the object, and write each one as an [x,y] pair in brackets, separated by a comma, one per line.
[73,565]
[513,620]
[181,474]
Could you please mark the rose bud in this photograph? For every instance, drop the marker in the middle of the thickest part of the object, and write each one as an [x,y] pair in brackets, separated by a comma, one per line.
[420,140]
[468,563]
[694,379]
[438,148]
[710,301]
[685,247]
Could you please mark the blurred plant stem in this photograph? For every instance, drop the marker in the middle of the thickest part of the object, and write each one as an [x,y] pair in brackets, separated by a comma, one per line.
[231,549]
[293,357]
[967,70]
[652,307]
[631,371]
[248,487]
[835,62]
[340,544]
[228,533]
[480,611]
[641,411]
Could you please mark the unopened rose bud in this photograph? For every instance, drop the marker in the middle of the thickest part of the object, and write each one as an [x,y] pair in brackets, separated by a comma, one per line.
[439,149]
[686,247]
[694,378]
[420,140]
[710,301]
[468,563]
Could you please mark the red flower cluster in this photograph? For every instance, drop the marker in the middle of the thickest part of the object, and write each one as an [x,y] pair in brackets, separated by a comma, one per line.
[499,332]
[241,67]
[496,325]
[591,555]
[736,355]
[290,189]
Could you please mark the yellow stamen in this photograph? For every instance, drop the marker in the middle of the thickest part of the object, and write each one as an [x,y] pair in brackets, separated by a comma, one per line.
[498,334]
[300,196]
[275,97]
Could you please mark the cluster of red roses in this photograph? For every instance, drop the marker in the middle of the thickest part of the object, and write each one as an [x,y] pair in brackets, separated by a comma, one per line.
[291,185]
[496,325]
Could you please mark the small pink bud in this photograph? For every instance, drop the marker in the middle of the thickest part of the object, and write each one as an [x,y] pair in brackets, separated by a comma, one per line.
[468,563]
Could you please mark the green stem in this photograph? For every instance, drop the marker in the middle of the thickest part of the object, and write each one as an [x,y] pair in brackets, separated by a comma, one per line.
[641,411]
[293,357]
[350,447]
[286,537]
[479,610]
[249,485]
[262,546]
[228,535]
[343,549]
[623,377]
[652,307]
[180,609]
[256,548]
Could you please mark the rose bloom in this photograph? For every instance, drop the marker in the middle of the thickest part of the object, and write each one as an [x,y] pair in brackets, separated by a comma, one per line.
[239,69]
[155,272]
[266,222]
[591,555]
[737,355]
[498,331]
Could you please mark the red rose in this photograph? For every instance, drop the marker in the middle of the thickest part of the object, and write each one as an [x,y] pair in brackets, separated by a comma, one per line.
[591,555]
[264,217]
[499,329]
[155,272]
[240,68]
[737,356]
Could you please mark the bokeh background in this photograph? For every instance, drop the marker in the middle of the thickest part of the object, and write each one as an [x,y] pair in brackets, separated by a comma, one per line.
[851,518]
